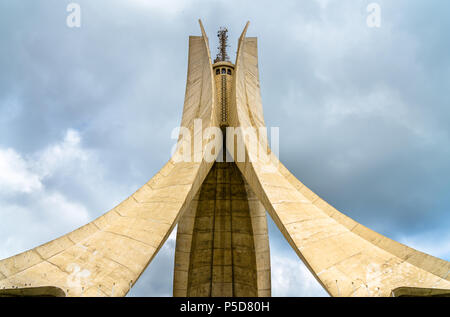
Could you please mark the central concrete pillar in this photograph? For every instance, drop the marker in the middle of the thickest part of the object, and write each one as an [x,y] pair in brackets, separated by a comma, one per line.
[222,244]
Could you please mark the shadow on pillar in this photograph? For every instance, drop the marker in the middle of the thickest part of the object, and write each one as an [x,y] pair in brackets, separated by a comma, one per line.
[44,291]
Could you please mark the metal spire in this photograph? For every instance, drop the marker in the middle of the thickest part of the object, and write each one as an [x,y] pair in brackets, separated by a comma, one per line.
[222,55]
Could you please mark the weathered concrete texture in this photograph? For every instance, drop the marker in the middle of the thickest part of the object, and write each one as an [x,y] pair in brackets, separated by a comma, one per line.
[223,78]
[222,244]
[107,256]
[346,258]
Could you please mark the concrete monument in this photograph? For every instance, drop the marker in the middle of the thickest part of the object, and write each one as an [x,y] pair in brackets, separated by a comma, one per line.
[222,246]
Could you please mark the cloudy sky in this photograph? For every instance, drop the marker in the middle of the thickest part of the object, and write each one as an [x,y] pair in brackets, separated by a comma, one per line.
[86,113]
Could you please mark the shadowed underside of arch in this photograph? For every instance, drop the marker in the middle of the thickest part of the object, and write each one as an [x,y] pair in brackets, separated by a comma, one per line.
[43,291]
[222,244]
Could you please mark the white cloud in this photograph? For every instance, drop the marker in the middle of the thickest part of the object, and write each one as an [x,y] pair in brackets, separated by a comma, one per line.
[290,277]
[157,279]
[39,212]
[58,206]
[435,243]
[16,174]
[323,3]
[329,73]
[170,7]
[62,155]
[25,175]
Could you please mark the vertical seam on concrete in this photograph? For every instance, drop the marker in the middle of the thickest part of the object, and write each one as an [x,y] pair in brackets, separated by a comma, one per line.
[224,98]
[233,170]
[200,100]
[189,282]
[213,234]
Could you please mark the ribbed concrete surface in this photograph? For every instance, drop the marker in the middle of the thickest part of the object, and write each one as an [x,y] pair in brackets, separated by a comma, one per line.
[108,255]
[220,258]
[222,245]
[347,258]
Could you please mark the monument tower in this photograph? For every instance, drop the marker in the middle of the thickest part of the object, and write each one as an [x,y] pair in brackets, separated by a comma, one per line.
[220,207]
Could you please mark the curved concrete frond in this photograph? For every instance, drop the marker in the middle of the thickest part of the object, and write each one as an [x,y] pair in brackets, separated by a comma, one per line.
[222,242]
[107,256]
[347,258]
